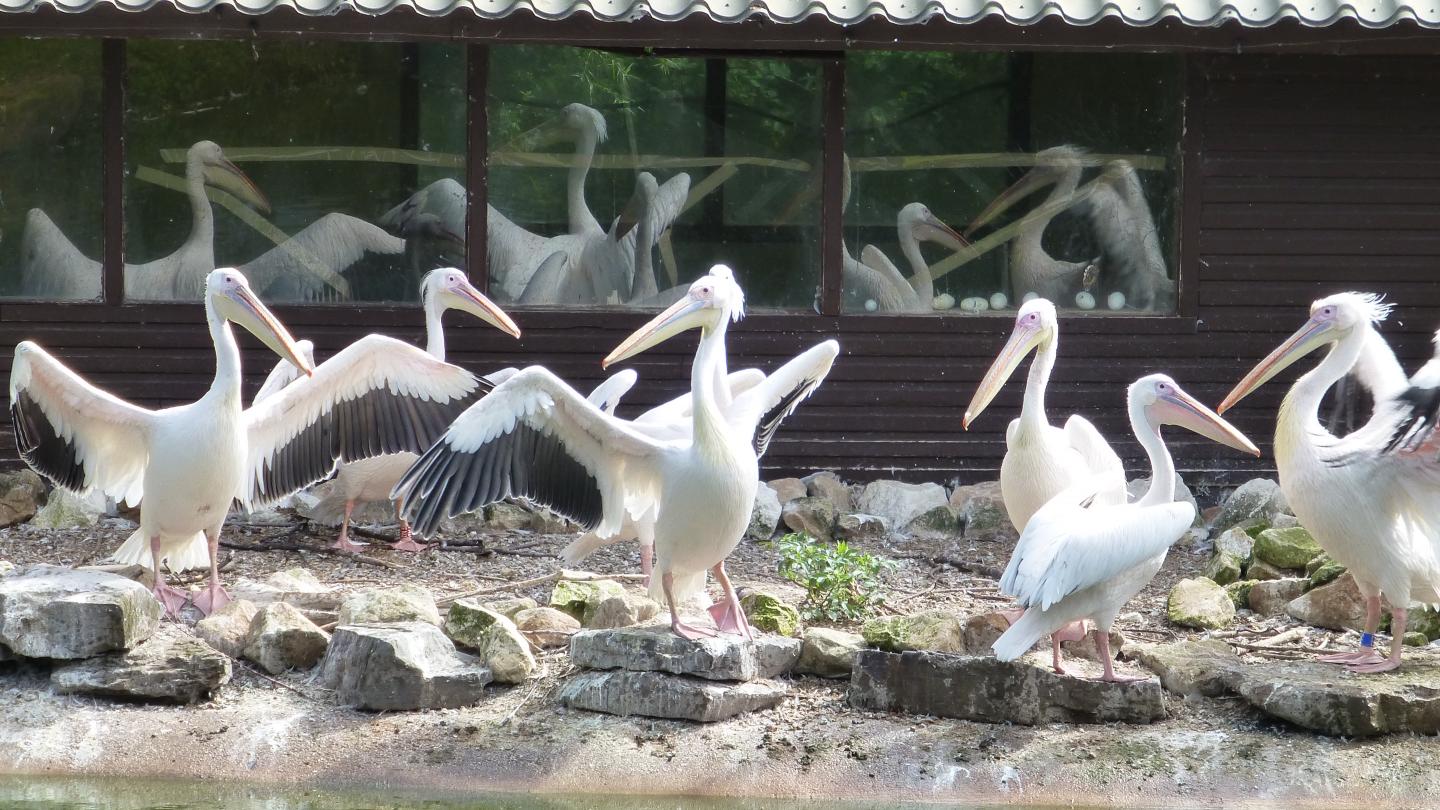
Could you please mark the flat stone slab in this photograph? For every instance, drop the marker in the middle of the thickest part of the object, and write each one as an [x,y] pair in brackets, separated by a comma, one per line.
[53,612]
[985,689]
[172,667]
[655,648]
[672,697]
[401,667]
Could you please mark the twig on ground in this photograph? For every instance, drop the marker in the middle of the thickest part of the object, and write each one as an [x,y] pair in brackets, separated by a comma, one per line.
[313,549]
[521,704]
[969,567]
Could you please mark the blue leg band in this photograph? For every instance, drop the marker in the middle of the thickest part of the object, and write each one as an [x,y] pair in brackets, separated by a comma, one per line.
[1367,640]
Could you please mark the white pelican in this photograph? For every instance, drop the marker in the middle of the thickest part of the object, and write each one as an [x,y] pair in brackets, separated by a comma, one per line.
[190,462]
[1125,230]
[540,439]
[308,266]
[286,372]
[874,276]
[1369,498]
[1078,559]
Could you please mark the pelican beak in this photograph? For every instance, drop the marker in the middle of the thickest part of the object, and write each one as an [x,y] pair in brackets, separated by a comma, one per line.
[1022,341]
[247,311]
[1307,339]
[1024,187]
[471,300]
[932,229]
[687,313]
[1182,410]
[227,176]
[543,135]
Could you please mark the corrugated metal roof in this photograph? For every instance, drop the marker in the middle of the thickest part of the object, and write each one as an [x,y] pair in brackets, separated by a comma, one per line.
[1255,13]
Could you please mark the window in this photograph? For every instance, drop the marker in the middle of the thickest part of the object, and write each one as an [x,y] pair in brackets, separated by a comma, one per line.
[51,221]
[978,180]
[293,161]
[709,160]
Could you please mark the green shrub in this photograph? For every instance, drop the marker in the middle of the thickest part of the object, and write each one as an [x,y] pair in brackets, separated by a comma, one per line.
[839,582]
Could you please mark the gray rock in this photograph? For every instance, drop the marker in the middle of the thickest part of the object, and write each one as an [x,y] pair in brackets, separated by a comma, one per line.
[1250,500]
[1138,487]
[655,648]
[788,489]
[769,613]
[622,610]
[1232,555]
[1199,602]
[1323,570]
[981,630]
[676,697]
[401,667]
[815,517]
[1222,569]
[941,521]
[546,626]
[1191,667]
[20,494]
[297,586]
[1261,570]
[1290,549]
[1316,697]
[172,666]
[985,689]
[828,653]
[512,606]
[494,638]
[52,612]
[228,628]
[1278,506]
[63,510]
[982,508]
[507,517]
[1240,592]
[851,527]
[898,502]
[1086,648]
[937,630]
[282,639]
[581,598]
[766,514]
[399,603]
[1235,542]
[1271,597]
[1337,606]
[829,486]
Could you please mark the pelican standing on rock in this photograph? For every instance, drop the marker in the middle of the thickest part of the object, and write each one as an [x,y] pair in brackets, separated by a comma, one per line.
[536,437]
[1078,559]
[1372,498]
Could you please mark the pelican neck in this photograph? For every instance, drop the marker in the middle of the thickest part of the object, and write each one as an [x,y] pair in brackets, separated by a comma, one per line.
[922,284]
[226,385]
[581,220]
[434,328]
[1162,466]
[1300,410]
[708,424]
[1032,411]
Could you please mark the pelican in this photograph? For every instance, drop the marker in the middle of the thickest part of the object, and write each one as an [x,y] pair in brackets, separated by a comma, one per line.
[540,439]
[308,265]
[1369,498]
[190,462]
[1079,559]
[52,267]
[371,479]
[1129,241]
[876,277]
[286,372]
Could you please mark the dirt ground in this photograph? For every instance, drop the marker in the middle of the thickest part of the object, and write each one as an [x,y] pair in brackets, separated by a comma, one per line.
[287,730]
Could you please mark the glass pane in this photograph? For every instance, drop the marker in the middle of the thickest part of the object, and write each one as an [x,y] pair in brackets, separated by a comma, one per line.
[51,226]
[977,181]
[293,162]
[732,146]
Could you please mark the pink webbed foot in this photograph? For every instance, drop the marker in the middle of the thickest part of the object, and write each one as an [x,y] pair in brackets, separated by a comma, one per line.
[1364,655]
[211,598]
[345,544]
[172,598]
[730,619]
[1382,665]
[690,631]
[407,540]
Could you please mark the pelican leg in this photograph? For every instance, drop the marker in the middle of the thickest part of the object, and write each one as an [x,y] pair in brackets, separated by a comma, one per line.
[406,541]
[171,597]
[1397,644]
[343,542]
[680,628]
[213,597]
[728,615]
[1107,660]
[1073,631]
[1367,653]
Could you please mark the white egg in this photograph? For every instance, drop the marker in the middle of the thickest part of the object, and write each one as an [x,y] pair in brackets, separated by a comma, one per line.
[999,301]
[1029,296]
[974,304]
[1116,300]
[943,301]
[870,305]
[1084,300]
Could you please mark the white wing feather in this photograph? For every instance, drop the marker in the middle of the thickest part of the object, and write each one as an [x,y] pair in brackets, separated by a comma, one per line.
[1106,470]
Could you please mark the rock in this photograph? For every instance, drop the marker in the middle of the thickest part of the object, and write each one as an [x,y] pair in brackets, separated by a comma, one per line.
[1314,696]
[52,612]
[982,510]
[580,598]
[398,603]
[494,637]
[1240,592]
[811,516]
[676,697]
[63,510]
[898,502]
[510,607]
[1261,570]
[1283,521]
[828,485]
[1423,620]
[1198,602]
[1138,487]
[1222,569]
[655,648]
[1323,570]
[1278,506]
[942,520]
[1415,639]
[1290,549]
[228,628]
[1235,542]
[938,630]
[507,517]
[546,626]
[20,494]
[981,630]
[171,666]
[401,667]
[1337,606]
[852,527]
[1250,500]
[1270,598]
[788,489]
[985,689]
[828,653]
[298,586]
[623,610]
[770,613]
[766,514]
[544,521]
[1191,667]
[282,639]
[6,568]
[1085,647]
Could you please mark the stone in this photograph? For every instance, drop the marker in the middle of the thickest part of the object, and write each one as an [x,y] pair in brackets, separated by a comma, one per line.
[656,648]
[1415,639]
[1240,592]
[898,502]
[1250,500]
[981,630]
[544,521]
[282,639]
[982,509]
[1323,570]
[401,667]
[52,612]
[580,598]
[228,628]
[1423,620]
[398,603]
[64,510]
[6,568]
[1222,569]
[297,586]
[770,613]
[1086,648]
[467,621]
[828,485]
[1289,549]
[1237,543]
[1261,570]
[494,638]
[938,630]
[623,610]
[675,697]
[1283,521]
[814,517]
[20,494]
[788,489]
[828,652]
[1270,598]
[512,606]
[507,517]
[985,689]
[1337,606]
[942,520]
[857,526]
[172,667]
[1191,667]
[546,626]
[1278,506]
[1198,602]
[1137,488]
[1316,697]
[766,514]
